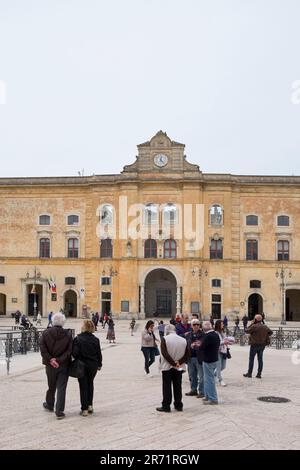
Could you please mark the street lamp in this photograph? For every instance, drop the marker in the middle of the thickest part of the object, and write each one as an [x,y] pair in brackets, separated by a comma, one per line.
[282,275]
[37,275]
[196,271]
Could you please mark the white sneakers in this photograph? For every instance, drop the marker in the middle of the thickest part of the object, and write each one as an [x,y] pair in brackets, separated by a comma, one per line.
[223,384]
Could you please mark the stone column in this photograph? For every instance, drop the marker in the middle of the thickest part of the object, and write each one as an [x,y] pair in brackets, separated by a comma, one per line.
[142,312]
[178,300]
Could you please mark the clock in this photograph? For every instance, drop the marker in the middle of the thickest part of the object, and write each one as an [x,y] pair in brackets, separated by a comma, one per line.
[160,160]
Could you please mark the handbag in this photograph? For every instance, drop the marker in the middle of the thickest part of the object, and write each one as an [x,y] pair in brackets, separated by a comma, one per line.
[157,353]
[76,369]
[228,355]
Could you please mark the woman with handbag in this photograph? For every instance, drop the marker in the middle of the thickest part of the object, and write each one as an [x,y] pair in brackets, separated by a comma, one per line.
[223,351]
[149,347]
[86,348]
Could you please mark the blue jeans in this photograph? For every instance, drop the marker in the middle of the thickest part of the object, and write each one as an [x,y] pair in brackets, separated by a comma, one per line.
[149,355]
[210,391]
[196,375]
[221,364]
[259,350]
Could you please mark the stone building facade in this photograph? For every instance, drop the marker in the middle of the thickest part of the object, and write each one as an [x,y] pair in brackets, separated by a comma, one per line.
[158,239]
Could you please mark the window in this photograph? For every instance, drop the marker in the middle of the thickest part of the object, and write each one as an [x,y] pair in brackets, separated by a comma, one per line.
[53,297]
[251,250]
[106,214]
[251,220]
[170,249]
[283,250]
[216,215]
[150,248]
[44,248]
[44,220]
[216,249]
[106,249]
[71,281]
[106,295]
[216,303]
[216,283]
[124,305]
[169,214]
[283,221]
[195,307]
[255,284]
[2,280]
[73,245]
[73,219]
[150,214]
[105,281]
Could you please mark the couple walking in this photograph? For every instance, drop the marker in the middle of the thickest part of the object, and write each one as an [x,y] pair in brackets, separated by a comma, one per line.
[57,347]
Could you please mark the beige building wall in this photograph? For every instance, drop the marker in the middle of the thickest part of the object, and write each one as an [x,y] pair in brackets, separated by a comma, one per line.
[23,200]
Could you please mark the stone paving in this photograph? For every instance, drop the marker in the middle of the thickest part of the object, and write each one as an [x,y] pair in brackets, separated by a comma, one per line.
[125,402]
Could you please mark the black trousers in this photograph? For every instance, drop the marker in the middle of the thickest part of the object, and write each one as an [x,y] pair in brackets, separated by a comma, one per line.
[172,377]
[57,381]
[86,386]
[259,350]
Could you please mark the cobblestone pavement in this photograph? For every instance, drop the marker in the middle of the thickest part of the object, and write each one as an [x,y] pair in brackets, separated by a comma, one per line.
[125,402]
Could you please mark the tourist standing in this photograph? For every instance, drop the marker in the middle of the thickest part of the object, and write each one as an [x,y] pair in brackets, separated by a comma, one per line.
[111,331]
[56,349]
[195,359]
[174,353]
[259,338]
[210,347]
[131,326]
[223,350]
[86,348]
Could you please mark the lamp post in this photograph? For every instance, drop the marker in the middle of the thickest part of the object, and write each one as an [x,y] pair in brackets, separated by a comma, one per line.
[37,275]
[282,275]
[196,271]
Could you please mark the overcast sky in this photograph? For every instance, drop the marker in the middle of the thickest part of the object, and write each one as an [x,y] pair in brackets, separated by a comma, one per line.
[82,82]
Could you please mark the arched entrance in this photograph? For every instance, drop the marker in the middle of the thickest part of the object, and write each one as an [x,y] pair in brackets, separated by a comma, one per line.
[2,304]
[70,303]
[255,305]
[32,298]
[292,305]
[160,293]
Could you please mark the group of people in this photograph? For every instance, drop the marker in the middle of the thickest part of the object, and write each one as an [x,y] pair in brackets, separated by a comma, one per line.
[205,350]
[57,347]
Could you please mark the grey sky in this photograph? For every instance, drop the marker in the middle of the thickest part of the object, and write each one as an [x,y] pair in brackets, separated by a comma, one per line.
[88,80]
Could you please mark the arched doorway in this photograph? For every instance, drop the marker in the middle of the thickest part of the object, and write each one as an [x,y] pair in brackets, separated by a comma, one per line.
[255,305]
[70,303]
[32,298]
[292,305]
[2,304]
[160,293]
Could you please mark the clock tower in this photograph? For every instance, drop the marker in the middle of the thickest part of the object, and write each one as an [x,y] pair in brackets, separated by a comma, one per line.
[161,155]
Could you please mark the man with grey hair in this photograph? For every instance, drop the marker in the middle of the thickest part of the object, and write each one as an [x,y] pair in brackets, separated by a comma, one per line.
[174,353]
[210,347]
[56,349]
[258,340]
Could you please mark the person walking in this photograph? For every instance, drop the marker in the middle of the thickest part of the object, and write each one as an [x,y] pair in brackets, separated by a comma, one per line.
[105,320]
[259,338]
[131,326]
[237,326]
[17,317]
[86,348]
[148,346]
[174,354]
[50,319]
[210,347]
[195,359]
[39,319]
[111,331]
[225,324]
[245,320]
[161,328]
[56,349]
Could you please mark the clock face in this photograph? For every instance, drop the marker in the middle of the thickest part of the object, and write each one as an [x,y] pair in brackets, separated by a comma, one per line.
[160,160]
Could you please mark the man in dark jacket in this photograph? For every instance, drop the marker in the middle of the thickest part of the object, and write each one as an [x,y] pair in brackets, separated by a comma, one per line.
[195,360]
[56,349]
[258,340]
[210,347]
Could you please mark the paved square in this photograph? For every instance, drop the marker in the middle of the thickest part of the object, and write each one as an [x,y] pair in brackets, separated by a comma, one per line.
[125,402]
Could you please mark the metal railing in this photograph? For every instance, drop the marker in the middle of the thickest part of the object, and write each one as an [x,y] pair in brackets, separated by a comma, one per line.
[282,338]
[20,342]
